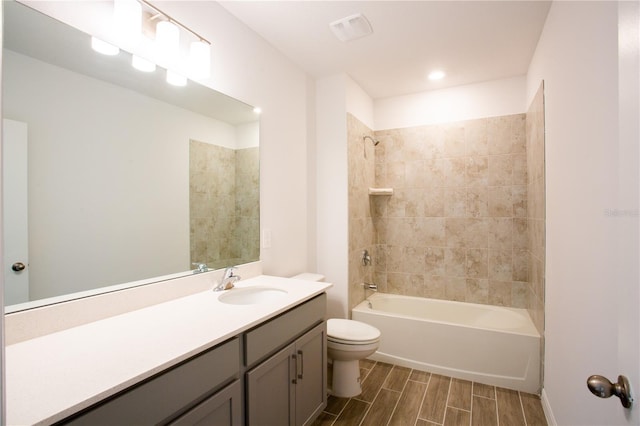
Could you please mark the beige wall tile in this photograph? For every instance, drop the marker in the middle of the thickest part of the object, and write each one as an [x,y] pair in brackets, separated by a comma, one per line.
[477,263]
[459,223]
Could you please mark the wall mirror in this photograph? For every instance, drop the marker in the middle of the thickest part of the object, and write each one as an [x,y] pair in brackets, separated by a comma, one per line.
[112,177]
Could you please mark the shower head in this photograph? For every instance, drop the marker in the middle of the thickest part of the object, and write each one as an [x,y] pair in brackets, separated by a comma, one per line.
[375,142]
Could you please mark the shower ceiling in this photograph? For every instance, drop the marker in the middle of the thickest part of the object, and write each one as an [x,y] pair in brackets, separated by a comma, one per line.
[472,41]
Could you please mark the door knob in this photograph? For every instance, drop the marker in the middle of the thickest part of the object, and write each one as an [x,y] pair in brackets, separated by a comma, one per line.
[18,266]
[601,386]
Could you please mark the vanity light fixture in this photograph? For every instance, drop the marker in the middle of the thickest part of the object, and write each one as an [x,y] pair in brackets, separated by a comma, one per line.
[104,47]
[133,17]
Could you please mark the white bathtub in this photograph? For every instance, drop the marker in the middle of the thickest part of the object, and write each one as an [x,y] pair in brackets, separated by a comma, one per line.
[483,343]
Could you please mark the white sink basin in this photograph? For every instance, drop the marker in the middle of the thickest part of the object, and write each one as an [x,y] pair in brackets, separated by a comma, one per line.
[252,295]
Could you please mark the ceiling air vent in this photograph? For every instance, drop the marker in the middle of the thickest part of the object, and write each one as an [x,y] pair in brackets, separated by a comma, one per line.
[351,27]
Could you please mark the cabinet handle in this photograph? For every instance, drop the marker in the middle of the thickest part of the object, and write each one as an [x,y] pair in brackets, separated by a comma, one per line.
[301,365]
[295,366]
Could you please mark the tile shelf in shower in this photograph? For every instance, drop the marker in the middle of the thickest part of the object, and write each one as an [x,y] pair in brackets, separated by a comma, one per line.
[380,191]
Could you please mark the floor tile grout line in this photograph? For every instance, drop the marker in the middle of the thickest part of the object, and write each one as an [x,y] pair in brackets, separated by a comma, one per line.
[369,405]
[446,403]
[484,397]
[337,415]
[497,412]
[395,407]
[473,385]
[524,415]
[423,398]
[375,397]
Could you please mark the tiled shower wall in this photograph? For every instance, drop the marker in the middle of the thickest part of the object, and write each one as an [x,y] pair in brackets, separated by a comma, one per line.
[536,211]
[456,225]
[362,235]
[223,204]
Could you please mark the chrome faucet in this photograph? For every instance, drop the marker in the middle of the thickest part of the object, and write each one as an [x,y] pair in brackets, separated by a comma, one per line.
[228,279]
[200,267]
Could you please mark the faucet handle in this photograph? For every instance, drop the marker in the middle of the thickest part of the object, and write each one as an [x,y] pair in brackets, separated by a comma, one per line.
[228,272]
[200,267]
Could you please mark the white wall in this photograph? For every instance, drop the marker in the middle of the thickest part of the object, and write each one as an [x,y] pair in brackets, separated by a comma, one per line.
[335,97]
[359,103]
[247,135]
[244,66]
[577,58]
[332,190]
[487,99]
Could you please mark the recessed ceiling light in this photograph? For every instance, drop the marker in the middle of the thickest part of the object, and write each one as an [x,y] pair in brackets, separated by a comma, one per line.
[436,75]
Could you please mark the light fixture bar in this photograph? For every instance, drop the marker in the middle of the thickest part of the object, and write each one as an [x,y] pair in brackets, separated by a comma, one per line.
[174,21]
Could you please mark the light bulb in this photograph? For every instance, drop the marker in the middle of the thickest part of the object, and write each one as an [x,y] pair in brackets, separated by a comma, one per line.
[176,79]
[142,64]
[167,41]
[104,47]
[199,59]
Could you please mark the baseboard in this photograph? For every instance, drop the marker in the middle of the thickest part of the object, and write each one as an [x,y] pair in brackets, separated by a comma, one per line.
[548,413]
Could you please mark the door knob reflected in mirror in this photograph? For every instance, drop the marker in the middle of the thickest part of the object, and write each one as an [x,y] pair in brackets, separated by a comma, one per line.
[601,387]
[18,266]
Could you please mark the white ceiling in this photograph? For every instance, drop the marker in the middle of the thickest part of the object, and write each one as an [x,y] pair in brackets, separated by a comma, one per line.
[472,41]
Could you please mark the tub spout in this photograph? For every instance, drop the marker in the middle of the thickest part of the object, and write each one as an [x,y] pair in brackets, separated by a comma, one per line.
[370,286]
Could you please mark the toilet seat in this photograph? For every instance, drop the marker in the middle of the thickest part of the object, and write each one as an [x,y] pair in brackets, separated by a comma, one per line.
[350,332]
[351,342]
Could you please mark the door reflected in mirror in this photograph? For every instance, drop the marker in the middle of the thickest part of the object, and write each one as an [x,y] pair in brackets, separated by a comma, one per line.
[112,195]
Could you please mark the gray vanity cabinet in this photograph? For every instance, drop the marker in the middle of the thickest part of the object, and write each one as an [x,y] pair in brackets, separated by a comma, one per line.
[274,374]
[196,385]
[289,387]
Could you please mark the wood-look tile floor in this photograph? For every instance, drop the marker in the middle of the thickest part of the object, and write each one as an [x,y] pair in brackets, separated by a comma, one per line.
[393,395]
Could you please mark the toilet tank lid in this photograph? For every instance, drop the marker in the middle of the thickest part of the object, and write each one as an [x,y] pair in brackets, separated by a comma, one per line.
[309,276]
[345,329]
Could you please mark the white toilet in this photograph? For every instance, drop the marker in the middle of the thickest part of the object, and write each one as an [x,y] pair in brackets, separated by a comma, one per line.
[348,342]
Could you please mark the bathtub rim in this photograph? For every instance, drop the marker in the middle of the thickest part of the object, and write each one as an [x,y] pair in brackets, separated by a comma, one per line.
[364,307]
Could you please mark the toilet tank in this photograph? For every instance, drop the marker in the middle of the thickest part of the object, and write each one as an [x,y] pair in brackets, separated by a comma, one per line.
[309,276]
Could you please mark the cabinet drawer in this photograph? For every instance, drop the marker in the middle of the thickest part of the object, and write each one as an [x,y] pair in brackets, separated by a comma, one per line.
[161,397]
[222,409]
[276,333]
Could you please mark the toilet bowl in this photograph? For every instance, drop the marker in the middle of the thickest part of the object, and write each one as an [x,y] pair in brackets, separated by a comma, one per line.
[348,342]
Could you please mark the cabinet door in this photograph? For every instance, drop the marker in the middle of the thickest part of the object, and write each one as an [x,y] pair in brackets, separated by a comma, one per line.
[222,409]
[270,390]
[311,383]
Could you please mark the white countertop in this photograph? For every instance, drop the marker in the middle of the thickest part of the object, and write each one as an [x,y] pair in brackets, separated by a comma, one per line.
[51,377]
